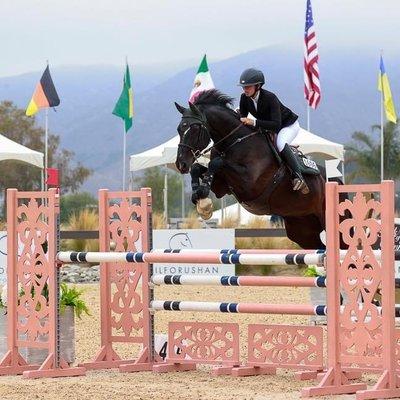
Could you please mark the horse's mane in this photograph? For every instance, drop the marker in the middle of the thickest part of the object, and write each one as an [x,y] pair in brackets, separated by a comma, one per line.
[214,97]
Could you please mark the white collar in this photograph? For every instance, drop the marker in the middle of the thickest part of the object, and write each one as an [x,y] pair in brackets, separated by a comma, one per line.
[255,99]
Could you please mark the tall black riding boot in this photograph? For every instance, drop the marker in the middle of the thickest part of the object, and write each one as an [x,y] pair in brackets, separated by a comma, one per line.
[292,162]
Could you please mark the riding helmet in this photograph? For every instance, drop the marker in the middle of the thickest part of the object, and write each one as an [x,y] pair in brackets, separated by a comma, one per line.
[251,76]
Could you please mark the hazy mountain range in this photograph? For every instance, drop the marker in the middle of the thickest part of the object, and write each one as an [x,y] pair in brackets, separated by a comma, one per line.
[350,100]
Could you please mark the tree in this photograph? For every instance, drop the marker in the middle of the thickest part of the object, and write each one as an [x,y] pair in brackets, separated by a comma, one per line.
[154,178]
[363,155]
[74,203]
[15,125]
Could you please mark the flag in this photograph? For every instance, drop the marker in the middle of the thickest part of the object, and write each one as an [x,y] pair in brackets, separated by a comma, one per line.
[312,87]
[124,106]
[52,177]
[383,86]
[202,81]
[45,95]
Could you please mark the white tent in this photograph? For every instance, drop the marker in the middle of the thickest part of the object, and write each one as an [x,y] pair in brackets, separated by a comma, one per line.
[10,150]
[165,154]
[313,144]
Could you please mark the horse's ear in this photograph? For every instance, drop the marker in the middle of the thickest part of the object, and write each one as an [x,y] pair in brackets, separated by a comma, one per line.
[194,108]
[180,108]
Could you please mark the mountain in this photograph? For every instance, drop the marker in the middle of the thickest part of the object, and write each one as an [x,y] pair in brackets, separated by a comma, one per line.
[350,100]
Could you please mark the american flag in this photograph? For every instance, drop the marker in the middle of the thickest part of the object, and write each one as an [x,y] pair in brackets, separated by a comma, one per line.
[312,87]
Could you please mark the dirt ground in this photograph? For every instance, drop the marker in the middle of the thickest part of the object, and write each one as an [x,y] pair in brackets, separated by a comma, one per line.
[192,385]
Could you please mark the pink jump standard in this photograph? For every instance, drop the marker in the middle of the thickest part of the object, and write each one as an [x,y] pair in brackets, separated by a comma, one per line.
[352,340]
[32,220]
[125,219]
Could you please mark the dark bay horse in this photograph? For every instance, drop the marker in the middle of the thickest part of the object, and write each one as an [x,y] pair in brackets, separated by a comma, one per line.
[243,163]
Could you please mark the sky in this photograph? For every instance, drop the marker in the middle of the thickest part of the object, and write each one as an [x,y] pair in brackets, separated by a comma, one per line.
[178,32]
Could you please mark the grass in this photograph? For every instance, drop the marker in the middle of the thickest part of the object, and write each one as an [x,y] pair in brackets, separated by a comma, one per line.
[229,222]
[192,221]
[159,221]
[261,243]
[85,220]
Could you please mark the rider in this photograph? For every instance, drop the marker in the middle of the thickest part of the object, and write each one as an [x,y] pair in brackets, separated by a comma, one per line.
[271,115]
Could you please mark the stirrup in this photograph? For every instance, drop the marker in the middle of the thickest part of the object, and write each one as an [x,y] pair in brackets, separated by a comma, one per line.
[300,184]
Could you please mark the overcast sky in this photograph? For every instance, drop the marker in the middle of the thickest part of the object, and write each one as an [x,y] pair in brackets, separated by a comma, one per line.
[179,31]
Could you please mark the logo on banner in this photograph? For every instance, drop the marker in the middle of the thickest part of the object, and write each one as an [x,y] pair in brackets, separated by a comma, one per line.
[180,241]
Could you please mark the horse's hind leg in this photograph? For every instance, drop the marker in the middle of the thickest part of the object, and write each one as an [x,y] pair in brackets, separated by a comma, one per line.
[305,231]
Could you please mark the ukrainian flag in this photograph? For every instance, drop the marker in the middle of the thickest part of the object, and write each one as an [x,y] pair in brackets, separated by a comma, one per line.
[383,86]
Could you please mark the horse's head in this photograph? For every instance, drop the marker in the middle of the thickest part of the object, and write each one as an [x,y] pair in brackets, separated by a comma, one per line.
[194,136]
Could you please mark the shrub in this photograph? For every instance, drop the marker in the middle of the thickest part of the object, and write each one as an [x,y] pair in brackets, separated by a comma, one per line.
[74,203]
[85,220]
[192,221]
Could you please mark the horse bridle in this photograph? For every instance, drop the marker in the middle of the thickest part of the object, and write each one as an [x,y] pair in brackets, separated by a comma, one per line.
[203,124]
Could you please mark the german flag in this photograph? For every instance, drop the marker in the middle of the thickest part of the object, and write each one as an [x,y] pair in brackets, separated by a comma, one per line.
[45,94]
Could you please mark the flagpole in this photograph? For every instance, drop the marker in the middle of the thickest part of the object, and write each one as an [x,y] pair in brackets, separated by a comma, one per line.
[46,134]
[308,117]
[42,179]
[124,148]
[124,162]
[183,196]
[382,138]
[165,191]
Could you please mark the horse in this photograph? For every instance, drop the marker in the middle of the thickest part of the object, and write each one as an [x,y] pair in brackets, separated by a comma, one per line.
[245,163]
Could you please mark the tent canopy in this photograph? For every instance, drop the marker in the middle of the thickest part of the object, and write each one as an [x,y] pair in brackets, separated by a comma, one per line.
[165,154]
[10,150]
[313,144]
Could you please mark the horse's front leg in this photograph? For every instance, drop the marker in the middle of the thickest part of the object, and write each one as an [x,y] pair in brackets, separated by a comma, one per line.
[214,165]
[197,171]
[203,202]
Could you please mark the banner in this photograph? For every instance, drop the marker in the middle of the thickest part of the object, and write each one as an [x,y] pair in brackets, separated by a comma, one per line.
[194,239]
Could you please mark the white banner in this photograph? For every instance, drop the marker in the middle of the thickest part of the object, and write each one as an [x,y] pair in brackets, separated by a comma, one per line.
[332,169]
[194,239]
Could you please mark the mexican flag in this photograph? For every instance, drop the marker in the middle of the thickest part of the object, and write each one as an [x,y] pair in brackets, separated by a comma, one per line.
[202,81]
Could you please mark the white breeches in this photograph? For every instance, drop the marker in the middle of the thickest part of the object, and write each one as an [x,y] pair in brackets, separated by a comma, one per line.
[287,135]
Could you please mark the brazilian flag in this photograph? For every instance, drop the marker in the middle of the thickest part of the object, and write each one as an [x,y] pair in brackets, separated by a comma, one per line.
[124,106]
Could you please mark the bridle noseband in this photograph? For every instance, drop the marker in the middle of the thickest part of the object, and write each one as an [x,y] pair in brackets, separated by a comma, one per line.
[203,126]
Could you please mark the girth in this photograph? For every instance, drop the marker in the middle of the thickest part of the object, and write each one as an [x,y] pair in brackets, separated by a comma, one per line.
[261,204]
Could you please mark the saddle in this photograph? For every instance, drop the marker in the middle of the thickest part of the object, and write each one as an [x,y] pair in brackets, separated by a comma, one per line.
[307,165]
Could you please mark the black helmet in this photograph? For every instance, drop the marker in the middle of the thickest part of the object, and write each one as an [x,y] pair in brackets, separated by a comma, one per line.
[251,76]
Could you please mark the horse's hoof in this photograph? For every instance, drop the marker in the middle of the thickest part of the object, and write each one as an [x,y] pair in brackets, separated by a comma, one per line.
[205,208]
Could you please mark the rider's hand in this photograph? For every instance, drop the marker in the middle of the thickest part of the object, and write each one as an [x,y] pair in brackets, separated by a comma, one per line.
[248,121]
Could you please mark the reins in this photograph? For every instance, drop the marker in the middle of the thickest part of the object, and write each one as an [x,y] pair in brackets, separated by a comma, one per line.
[197,153]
